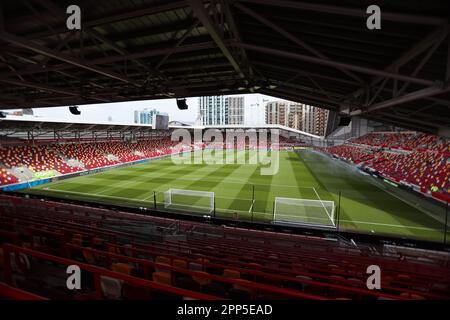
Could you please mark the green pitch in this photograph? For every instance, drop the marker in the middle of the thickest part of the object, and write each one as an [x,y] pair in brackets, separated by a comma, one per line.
[364,206]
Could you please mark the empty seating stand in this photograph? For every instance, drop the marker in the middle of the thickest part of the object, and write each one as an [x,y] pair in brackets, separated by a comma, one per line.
[419,159]
[210,262]
[425,164]
[6,177]
[36,158]
[54,157]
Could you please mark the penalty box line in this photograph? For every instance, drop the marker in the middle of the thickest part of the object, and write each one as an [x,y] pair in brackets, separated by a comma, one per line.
[370,223]
[323,205]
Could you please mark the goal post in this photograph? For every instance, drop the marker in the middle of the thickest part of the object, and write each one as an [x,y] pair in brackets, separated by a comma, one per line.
[192,200]
[304,212]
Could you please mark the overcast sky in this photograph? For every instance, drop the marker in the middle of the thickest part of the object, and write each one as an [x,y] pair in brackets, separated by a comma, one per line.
[123,112]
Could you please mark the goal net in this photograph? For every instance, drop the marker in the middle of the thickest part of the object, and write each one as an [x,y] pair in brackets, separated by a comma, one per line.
[192,200]
[304,212]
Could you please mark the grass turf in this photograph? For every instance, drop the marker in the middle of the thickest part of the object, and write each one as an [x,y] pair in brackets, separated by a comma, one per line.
[308,175]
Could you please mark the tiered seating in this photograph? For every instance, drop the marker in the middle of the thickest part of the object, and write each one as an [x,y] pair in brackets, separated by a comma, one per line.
[36,158]
[290,140]
[404,140]
[85,153]
[350,153]
[421,140]
[425,169]
[154,147]
[6,177]
[121,150]
[384,139]
[422,161]
[253,142]
[238,264]
[92,155]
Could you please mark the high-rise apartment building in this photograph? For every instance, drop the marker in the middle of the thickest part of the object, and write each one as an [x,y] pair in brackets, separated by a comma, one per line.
[320,121]
[295,119]
[308,119]
[221,110]
[297,116]
[276,112]
[284,113]
[146,116]
[235,110]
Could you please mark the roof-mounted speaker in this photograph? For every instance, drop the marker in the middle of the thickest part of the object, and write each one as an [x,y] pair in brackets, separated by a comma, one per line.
[181,103]
[74,110]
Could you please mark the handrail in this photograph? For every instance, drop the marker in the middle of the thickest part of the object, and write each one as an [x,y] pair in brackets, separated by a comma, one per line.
[427,294]
[97,271]
[276,276]
[312,264]
[9,292]
[246,270]
[359,258]
[261,234]
[389,288]
[249,284]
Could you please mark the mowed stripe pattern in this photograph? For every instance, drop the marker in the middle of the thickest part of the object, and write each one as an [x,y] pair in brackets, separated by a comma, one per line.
[364,206]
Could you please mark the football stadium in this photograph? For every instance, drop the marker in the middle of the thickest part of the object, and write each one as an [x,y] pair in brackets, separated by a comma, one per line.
[341,192]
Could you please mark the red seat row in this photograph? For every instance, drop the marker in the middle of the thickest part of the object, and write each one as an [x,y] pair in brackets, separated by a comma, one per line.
[207,262]
[6,177]
[404,140]
[43,158]
[36,158]
[423,160]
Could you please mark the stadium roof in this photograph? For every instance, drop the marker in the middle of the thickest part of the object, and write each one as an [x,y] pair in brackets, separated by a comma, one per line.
[250,127]
[24,123]
[314,52]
